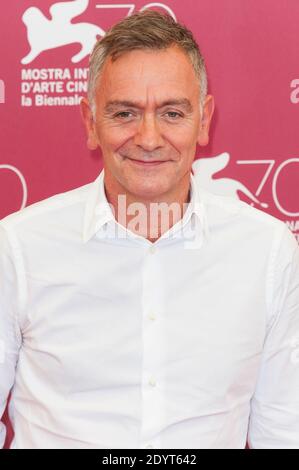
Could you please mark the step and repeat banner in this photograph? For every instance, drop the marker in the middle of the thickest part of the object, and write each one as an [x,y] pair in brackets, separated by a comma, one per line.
[251,51]
[252,57]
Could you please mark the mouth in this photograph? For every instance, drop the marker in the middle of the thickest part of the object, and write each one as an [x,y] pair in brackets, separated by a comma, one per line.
[146,164]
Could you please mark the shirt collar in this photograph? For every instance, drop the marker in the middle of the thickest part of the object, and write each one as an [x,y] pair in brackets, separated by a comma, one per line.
[98,211]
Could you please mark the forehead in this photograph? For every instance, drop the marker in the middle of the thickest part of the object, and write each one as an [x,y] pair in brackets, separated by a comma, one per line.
[148,73]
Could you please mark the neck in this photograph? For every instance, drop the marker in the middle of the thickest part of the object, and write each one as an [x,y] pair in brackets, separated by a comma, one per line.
[148,217]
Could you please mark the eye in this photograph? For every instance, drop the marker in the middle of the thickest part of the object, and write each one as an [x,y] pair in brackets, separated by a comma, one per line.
[123,114]
[173,115]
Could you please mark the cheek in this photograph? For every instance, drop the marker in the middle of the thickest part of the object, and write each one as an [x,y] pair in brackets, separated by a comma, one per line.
[184,143]
[183,135]
[113,138]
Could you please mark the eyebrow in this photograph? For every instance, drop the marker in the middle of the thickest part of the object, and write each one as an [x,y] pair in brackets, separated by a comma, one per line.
[181,102]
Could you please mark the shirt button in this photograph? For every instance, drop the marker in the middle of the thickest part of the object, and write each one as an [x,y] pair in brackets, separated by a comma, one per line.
[152,382]
[152,316]
[152,249]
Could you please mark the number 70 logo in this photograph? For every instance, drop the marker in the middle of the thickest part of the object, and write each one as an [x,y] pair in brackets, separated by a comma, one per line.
[275,178]
[204,169]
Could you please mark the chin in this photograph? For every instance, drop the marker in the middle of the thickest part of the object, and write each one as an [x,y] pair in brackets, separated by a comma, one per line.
[148,191]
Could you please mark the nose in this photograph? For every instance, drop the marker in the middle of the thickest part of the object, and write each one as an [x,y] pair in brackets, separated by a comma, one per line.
[148,135]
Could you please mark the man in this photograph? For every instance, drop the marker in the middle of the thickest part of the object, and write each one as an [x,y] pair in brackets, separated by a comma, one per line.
[177,327]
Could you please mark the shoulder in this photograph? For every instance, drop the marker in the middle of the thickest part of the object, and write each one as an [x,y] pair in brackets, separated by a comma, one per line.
[233,209]
[254,229]
[42,214]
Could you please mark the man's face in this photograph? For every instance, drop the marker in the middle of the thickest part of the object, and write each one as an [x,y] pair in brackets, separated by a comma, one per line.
[148,121]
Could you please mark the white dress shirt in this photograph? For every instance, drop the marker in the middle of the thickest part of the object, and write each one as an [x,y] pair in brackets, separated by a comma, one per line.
[108,340]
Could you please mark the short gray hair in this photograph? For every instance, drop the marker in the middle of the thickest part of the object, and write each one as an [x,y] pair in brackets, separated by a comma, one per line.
[149,30]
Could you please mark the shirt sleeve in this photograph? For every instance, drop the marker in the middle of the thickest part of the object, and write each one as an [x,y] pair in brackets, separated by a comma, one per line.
[274,416]
[10,336]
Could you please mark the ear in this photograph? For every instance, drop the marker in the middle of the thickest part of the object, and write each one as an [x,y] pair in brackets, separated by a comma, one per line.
[204,125]
[86,114]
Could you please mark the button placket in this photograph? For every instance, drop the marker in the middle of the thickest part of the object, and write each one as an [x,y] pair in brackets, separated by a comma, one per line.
[153,304]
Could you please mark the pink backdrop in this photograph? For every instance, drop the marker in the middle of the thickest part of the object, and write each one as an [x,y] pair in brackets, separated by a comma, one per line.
[251,53]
